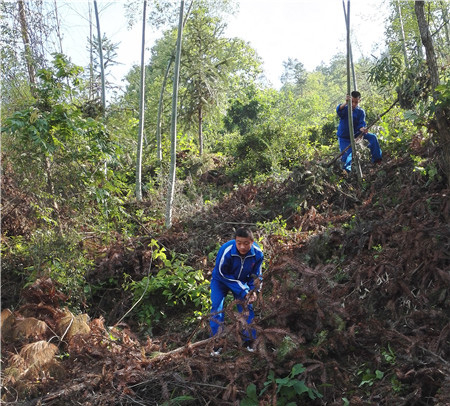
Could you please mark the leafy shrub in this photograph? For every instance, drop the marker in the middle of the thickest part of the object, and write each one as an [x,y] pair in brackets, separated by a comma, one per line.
[47,254]
[289,390]
[252,155]
[175,285]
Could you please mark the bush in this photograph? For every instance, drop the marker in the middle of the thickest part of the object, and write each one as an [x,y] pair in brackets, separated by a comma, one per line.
[175,285]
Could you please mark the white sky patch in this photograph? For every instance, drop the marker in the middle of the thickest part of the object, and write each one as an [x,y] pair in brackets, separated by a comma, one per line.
[312,31]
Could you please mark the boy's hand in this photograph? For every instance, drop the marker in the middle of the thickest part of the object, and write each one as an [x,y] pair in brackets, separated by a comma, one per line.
[251,297]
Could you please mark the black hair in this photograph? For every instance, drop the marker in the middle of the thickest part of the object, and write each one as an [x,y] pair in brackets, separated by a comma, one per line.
[244,232]
[356,94]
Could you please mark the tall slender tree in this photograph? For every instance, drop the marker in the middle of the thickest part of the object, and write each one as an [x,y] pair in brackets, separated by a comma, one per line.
[350,111]
[173,129]
[211,63]
[403,38]
[351,55]
[294,76]
[440,112]
[161,96]
[159,114]
[100,53]
[141,110]
[26,42]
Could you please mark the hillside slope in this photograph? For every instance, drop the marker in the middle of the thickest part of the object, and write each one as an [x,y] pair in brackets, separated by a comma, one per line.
[355,290]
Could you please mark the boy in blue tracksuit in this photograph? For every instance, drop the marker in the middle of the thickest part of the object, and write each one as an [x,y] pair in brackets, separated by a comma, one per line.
[238,264]
[359,126]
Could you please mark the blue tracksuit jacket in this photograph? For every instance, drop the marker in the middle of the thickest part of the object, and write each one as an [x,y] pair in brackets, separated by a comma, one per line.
[234,273]
[359,121]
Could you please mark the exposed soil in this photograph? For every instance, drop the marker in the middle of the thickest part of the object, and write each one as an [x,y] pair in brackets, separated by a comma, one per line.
[356,289]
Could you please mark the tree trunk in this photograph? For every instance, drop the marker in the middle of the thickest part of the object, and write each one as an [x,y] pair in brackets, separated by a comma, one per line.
[60,41]
[349,104]
[91,56]
[173,128]
[160,107]
[26,43]
[442,122]
[161,100]
[351,56]
[100,53]
[402,31]
[200,130]
[445,15]
[102,68]
[141,111]
[52,195]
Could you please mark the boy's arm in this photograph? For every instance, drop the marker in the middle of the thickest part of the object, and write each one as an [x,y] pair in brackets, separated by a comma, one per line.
[361,122]
[223,261]
[256,280]
[341,110]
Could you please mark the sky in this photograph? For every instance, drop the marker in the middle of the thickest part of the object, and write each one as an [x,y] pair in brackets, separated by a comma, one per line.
[311,31]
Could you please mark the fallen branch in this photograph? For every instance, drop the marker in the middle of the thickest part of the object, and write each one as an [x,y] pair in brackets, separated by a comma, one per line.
[179,350]
[435,355]
[61,393]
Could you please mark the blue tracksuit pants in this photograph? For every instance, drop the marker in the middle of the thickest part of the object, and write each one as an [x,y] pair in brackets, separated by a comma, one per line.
[219,290]
[374,147]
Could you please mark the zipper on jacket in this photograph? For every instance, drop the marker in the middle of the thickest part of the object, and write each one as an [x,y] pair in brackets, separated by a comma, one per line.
[242,262]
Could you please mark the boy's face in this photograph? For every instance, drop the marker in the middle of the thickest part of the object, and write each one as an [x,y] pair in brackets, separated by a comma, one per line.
[355,102]
[243,244]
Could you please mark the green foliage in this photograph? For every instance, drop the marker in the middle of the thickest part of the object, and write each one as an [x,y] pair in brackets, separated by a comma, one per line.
[368,377]
[386,71]
[285,348]
[176,285]
[275,227]
[109,54]
[427,170]
[444,94]
[294,76]
[47,254]
[212,64]
[66,159]
[288,390]
[242,116]
[253,155]
[214,69]
[59,155]
[389,355]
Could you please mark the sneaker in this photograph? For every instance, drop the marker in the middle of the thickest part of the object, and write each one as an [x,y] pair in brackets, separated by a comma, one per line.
[216,352]
[378,161]
[249,345]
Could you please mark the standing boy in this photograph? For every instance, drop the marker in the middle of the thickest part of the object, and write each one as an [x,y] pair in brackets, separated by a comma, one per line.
[359,126]
[238,264]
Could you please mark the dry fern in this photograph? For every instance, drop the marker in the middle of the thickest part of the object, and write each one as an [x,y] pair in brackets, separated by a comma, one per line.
[29,327]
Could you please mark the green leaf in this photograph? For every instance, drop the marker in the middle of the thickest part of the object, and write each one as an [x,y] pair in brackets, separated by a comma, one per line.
[251,391]
[300,387]
[297,369]
[249,402]
[282,381]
